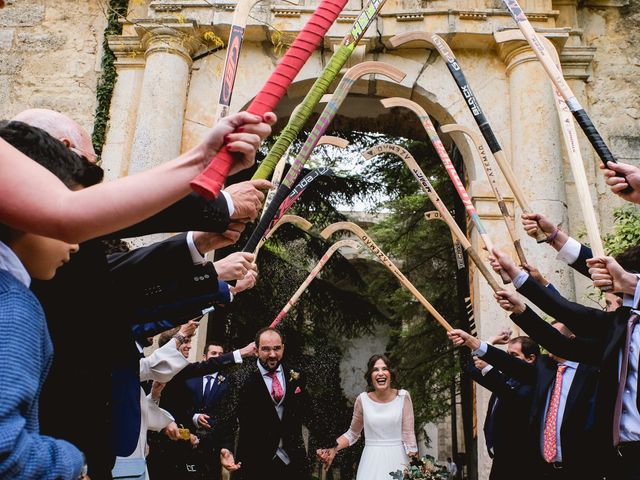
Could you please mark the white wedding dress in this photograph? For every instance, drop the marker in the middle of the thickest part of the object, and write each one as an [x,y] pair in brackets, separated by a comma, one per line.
[389,435]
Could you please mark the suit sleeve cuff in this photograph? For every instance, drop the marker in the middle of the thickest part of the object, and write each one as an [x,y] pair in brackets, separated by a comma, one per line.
[230,204]
[481,351]
[569,252]
[196,256]
[520,279]
[237,357]
[486,370]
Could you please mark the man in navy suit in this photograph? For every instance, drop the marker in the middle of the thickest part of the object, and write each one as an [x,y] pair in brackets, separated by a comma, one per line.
[509,405]
[562,408]
[214,431]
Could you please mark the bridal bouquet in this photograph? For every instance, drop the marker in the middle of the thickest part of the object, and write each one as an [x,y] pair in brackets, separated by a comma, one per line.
[424,468]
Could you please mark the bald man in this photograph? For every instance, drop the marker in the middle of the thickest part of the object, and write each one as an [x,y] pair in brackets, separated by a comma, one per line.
[91,396]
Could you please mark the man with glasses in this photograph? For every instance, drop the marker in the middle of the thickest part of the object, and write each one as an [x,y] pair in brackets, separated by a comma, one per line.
[271,406]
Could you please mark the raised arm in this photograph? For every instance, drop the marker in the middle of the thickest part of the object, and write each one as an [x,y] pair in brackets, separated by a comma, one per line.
[408,427]
[34,200]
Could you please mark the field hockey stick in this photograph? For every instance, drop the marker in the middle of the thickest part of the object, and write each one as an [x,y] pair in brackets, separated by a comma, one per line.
[234,45]
[474,106]
[451,170]
[419,175]
[319,87]
[279,170]
[577,165]
[457,246]
[325,258]
[210,181]
[491,175]
[294,193]
[371,245]
[302,223]
[547,61]
[320,127]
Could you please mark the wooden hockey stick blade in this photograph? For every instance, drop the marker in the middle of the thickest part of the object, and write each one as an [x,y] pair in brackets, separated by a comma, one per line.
[455,69]
[370,244]
[301,223]
[307,281]
[426,187]
[491,176]
[424,118]
[335,141]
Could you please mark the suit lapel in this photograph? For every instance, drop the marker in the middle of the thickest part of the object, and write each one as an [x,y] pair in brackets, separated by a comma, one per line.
[618,334]
[581,375]
[264,393]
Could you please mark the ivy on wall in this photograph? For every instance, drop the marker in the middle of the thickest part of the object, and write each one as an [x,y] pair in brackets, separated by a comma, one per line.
[626,233]
[117,9]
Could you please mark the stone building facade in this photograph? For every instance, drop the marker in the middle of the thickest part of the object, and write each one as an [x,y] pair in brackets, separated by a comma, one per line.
[169,78]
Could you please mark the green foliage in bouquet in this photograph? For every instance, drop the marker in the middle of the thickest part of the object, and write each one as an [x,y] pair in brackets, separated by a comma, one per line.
[424,468]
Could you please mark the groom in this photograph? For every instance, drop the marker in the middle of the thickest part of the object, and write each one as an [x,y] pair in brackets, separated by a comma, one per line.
[271,405]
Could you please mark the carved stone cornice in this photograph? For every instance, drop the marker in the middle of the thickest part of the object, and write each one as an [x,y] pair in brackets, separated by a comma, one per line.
[128,51]
[168,36]
[576,61]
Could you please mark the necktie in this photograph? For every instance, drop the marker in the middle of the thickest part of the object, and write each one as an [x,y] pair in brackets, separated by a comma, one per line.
[276,387]
[624,366]
[207,389]
[550,447]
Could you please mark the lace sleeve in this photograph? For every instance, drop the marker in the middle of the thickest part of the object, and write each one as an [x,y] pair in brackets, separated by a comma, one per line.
[408,431]
[357,423]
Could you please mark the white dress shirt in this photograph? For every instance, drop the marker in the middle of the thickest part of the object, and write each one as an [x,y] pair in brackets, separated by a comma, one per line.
[279,407]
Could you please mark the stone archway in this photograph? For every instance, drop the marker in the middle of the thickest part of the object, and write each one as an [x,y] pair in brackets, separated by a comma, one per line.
[164,101]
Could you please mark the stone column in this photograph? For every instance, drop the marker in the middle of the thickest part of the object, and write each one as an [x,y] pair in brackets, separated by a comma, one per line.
[158,133]
[536,149]
[124,105]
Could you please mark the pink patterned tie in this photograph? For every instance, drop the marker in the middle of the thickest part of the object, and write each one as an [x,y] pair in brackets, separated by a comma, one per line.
[624,367]
[276,387]
[550,447]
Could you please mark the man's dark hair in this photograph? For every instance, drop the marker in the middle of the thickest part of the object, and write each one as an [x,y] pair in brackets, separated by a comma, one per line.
[268,329]
[72,169]
[213,342]
[371,363]
[629,259]
[528,346]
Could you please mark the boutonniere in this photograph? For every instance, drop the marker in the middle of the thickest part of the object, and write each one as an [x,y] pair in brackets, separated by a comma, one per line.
[298,390]
[293,375]
[220,378]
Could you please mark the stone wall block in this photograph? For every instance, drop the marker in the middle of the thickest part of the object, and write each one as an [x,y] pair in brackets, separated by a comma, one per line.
[22,14]
[39,42]
[6,38]
[10,64]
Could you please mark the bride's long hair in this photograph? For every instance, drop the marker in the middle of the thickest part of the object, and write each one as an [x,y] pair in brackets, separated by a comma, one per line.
[372,361]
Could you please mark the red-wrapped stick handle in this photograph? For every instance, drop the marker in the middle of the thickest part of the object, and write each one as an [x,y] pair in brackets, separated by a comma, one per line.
[210,181]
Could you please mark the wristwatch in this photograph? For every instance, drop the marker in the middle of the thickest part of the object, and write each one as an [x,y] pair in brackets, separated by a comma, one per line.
[180,337]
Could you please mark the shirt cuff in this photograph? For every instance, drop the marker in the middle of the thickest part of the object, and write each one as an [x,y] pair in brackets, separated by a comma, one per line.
[486,369]
[230,204]
[195,419]
[481,351]
[196,256]
[237,357]
[569,252]
[520,279]
[628,300]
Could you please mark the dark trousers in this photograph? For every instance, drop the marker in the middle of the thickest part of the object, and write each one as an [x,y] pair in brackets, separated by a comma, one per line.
[273,470]
[564,472]
[626,462]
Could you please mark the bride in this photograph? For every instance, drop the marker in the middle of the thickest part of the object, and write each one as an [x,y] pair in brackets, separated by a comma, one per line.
[386,414]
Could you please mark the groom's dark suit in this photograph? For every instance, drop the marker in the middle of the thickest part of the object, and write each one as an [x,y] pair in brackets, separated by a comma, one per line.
[261,429]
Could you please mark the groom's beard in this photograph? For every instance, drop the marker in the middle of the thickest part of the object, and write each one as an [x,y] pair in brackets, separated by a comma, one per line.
[267,368]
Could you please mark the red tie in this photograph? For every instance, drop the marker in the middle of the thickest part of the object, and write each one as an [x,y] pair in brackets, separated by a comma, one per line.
[624,367]
[550,447]
[276,387]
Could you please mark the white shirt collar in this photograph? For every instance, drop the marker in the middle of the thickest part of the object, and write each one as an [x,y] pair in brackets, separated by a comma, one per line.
[570,364]
[10,262]
[264,371]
